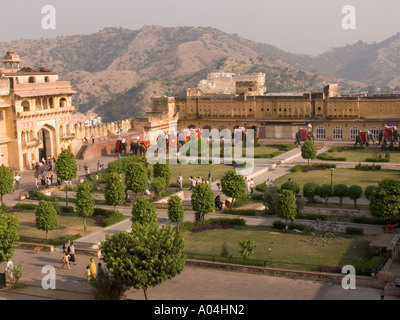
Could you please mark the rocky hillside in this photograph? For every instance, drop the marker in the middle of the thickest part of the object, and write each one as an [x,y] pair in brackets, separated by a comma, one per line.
[118,70]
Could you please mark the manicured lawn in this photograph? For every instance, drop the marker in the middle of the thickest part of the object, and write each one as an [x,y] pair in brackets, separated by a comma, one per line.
[69,225]
[276,249]
[345,176]
[195,170]
[362,154]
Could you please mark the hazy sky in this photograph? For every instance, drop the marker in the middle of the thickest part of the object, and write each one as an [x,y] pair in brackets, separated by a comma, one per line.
[297,26]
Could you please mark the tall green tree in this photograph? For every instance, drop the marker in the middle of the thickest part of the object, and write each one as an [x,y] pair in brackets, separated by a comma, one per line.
[308,150]
[6,182]
[144,212]
[202,200]
[84,202]
[233,185]
[324,191]
[9,224]
[115,190]
[309,191]
[66,168]
[384,202]
[355,192]
[158,185]
[291,185]
[270,200]
[136,177]
[46,217]
[176,212]
[340,191]
[145,257]
[286,206]
[162,170]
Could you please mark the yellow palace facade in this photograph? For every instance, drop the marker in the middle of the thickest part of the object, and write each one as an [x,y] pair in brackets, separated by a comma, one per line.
[279,116]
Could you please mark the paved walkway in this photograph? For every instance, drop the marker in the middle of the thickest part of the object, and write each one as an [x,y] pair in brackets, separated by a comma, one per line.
[220,284]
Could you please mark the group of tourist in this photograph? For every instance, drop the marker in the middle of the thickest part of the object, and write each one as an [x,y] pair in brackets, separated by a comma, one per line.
[193,181]
[43,171]
[69,256]
[249,185]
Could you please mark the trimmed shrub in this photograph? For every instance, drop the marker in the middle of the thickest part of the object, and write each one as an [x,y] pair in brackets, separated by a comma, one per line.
[246,199]
[369,190]
[278,225]
[114,218]
[67,209]
[240,212]
[291,185]
[324,156]
[309,190]
[354,231]
[257,196]
[26,206]
[367,168]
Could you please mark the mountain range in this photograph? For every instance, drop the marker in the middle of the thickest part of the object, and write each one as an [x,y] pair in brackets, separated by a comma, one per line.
[116,70]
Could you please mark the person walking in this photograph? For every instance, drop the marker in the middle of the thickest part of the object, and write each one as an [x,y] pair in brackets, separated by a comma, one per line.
[92,138]
[17,179]
[251,185]
[98,165]
[100,270]
[209,176]
[72,252]
[88,274]
[50,175]
[93,268]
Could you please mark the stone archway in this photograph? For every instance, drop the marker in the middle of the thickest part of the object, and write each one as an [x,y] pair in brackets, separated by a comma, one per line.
[47,147]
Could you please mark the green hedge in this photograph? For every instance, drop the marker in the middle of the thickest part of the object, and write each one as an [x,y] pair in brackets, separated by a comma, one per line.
[187,226]
[313,166]
[324,156]
[344,148]
[26,206]
[367,168]
[354,231]
[240,212]
[115,217]
[257,196]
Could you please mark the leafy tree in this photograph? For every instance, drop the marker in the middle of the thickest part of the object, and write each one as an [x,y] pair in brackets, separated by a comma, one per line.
[309,191]
[136,177]
[385,200]
[115,190]
[270,200]
[6,182]
[324,191]
[144,212]
[286,206]
[66,168]
[46,217]
[144,258]
[308,150]
[84,202]
[291,185]
[355,192]
[9,224]
[107,287]
[161,170]
[176,212]
[233,185]
[158,185]
[369,191]
[202,200]
[340,191]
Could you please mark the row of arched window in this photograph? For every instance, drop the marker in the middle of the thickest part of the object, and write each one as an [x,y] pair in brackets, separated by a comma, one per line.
[337,132]
[43,104]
